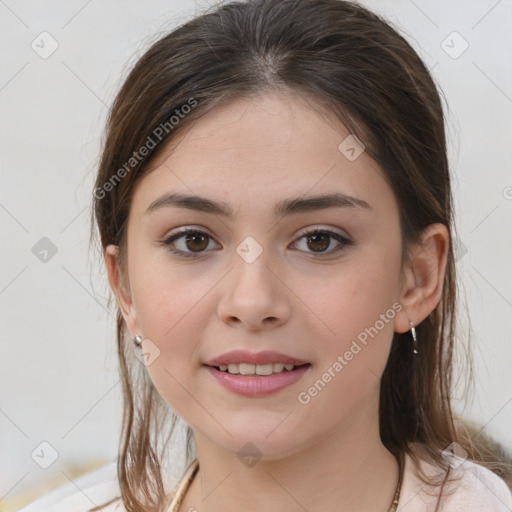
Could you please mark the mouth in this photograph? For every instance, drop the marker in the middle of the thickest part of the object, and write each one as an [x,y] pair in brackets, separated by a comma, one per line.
[243,369]
[254,381]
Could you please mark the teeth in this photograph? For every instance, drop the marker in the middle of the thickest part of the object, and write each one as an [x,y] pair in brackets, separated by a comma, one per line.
[233,368]
[255,369]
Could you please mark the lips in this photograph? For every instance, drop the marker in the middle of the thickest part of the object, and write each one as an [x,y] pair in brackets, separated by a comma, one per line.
[254,386]
[256,358]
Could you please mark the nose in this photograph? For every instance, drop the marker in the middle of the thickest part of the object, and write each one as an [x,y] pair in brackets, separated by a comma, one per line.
[254,296]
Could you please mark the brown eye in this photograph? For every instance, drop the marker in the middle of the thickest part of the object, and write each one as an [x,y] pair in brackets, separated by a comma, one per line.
[196,241]
[319,242]
[188,243]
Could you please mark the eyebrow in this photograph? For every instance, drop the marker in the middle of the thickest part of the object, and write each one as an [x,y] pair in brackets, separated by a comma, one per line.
[285,207]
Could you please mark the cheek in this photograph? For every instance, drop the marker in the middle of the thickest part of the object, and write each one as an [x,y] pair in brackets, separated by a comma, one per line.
[357,307]
[168,298]
[172,315]
[352,341]
[173,312]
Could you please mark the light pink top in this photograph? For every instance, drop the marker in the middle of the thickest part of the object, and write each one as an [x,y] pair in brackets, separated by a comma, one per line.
[478,490]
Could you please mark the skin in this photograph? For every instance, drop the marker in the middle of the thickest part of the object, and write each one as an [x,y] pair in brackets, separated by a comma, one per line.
[326,454]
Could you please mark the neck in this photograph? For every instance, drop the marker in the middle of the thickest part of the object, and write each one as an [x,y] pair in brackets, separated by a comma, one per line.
[350,469]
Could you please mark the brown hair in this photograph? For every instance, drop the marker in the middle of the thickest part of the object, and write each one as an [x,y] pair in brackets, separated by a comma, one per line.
[352,62]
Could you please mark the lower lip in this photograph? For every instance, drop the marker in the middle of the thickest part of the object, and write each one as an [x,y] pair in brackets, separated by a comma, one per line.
[258,385]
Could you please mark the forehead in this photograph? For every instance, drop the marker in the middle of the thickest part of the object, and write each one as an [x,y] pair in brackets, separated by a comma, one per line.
[256,152]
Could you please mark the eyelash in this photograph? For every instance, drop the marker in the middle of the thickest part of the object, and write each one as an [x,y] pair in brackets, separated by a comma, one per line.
[188,231]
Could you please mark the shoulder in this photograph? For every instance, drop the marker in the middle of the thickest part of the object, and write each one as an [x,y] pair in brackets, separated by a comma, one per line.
[471,487]
[480,488]
[82,494]
[96,488]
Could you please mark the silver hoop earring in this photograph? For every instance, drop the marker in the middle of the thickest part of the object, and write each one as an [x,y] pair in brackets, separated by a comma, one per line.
[138,341]
[415,340]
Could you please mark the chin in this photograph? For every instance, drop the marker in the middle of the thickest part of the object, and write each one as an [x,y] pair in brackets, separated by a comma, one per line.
[252,444]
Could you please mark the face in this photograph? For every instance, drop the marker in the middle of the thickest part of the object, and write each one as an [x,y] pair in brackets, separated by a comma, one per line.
[257,281]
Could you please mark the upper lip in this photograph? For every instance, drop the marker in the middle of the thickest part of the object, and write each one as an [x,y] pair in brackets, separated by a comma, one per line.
[244,356]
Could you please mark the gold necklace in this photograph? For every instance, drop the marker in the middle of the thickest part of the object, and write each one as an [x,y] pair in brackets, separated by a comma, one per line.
[190,473]
[394,505]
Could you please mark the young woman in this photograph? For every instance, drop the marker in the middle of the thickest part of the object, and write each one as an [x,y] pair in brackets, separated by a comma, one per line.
[274,207]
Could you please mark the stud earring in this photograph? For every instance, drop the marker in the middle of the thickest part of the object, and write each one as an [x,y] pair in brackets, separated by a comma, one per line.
[415,340]
[137,341]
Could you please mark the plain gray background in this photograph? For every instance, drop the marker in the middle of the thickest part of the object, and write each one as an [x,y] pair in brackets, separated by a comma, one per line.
[58,365]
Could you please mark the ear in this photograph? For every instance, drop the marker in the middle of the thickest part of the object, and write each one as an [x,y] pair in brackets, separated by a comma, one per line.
[422,286]
[124,298]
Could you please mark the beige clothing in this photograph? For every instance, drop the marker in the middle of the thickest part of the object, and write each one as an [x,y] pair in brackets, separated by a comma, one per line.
[478,490]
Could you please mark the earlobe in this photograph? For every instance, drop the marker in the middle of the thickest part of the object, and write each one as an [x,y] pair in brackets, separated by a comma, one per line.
[423,283]
[123,297]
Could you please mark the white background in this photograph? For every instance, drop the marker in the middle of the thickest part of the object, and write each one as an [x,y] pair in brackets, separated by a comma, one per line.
[58,364]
